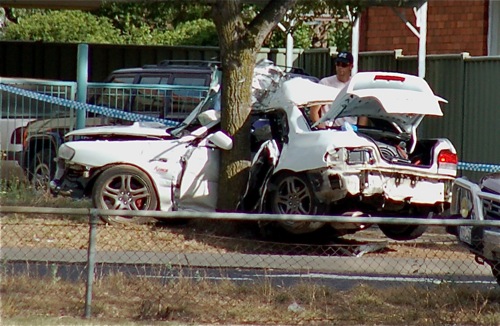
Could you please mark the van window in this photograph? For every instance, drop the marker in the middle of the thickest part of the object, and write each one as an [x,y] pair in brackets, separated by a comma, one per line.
[122,79]
[153,80]
[190,81]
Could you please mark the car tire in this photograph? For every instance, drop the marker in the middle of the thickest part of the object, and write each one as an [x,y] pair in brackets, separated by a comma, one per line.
[293,194]
[42,169]
[402,232]
[124,188]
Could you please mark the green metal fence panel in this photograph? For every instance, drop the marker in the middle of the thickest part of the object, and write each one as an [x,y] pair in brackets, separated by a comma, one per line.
[380,60]
[445,75]
[38,60]
[58,60]
[408,65]
[481,111]
[317,62]
[106,58]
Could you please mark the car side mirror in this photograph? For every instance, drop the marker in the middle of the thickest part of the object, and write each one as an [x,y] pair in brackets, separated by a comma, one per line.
[221,140]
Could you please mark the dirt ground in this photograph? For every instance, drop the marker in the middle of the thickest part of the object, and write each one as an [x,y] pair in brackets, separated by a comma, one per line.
[215,237]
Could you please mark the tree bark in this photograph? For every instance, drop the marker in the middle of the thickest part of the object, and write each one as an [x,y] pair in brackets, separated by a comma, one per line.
[239,44]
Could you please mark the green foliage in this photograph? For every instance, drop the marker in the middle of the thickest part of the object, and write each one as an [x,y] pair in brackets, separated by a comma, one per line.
[130,16]
[63,26]
[178,23]
[14,14]
[340,36]
[301,38]
[197,32]
[155,15]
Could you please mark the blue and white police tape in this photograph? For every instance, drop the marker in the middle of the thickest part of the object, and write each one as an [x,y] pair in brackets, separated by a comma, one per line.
[478,167]
[113,113]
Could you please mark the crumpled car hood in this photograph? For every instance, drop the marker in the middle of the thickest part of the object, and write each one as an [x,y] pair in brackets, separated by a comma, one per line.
[301,92]
[152,129]
[403,99]
[273,88]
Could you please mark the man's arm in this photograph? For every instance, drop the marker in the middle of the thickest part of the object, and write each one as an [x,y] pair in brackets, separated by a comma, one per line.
[362,121]
[314,115]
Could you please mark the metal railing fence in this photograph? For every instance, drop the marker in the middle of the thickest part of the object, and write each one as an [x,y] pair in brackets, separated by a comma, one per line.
[170,102]
[58,242]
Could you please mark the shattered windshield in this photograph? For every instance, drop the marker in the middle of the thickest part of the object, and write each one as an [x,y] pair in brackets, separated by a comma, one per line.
[210,102]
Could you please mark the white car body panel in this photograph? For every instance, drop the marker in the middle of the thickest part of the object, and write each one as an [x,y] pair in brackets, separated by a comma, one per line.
[161,160]
[301,92]
[198,189]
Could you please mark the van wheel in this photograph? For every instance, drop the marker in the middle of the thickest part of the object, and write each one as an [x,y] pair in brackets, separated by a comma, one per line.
[42,169]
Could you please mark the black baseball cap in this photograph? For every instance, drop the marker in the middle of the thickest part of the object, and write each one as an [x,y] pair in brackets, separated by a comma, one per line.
[344,57]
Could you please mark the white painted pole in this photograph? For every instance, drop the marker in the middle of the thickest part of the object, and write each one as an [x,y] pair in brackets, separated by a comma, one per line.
[422,44]
[355,43]
[289,50]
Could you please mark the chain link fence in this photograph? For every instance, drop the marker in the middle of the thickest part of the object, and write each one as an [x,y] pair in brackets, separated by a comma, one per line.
[184,260]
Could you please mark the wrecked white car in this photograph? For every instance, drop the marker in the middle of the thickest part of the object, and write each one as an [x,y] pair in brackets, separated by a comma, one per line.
[379,170]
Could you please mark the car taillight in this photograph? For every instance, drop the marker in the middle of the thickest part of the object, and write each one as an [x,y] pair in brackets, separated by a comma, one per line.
[447,159]
[389,78]
[17,136]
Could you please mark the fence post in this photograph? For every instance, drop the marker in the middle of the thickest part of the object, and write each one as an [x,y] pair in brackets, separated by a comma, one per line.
[82,82]
[93,220]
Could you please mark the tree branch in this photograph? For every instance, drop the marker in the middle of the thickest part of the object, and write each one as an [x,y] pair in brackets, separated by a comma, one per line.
[268,18]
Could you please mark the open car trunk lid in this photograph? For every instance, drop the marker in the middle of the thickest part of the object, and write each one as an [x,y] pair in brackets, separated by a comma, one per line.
[398,98]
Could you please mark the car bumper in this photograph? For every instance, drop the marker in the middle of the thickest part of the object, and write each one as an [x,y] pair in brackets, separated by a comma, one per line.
[396,187]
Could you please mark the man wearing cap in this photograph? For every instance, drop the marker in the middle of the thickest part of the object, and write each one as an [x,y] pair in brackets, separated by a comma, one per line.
[343,70]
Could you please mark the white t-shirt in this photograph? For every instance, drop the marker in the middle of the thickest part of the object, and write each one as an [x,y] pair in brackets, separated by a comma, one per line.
[334,82]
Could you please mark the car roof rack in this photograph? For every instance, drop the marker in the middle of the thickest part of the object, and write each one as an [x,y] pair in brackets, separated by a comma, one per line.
[186,63]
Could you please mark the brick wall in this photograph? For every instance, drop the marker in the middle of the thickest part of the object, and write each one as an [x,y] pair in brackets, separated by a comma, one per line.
[453,26]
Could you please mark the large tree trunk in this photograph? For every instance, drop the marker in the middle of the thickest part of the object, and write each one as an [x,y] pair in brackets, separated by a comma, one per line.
[238,61]
[239,44]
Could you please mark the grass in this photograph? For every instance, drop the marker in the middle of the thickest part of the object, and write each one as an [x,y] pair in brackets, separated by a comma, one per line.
[119,299]
[15,192]
[122,300]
